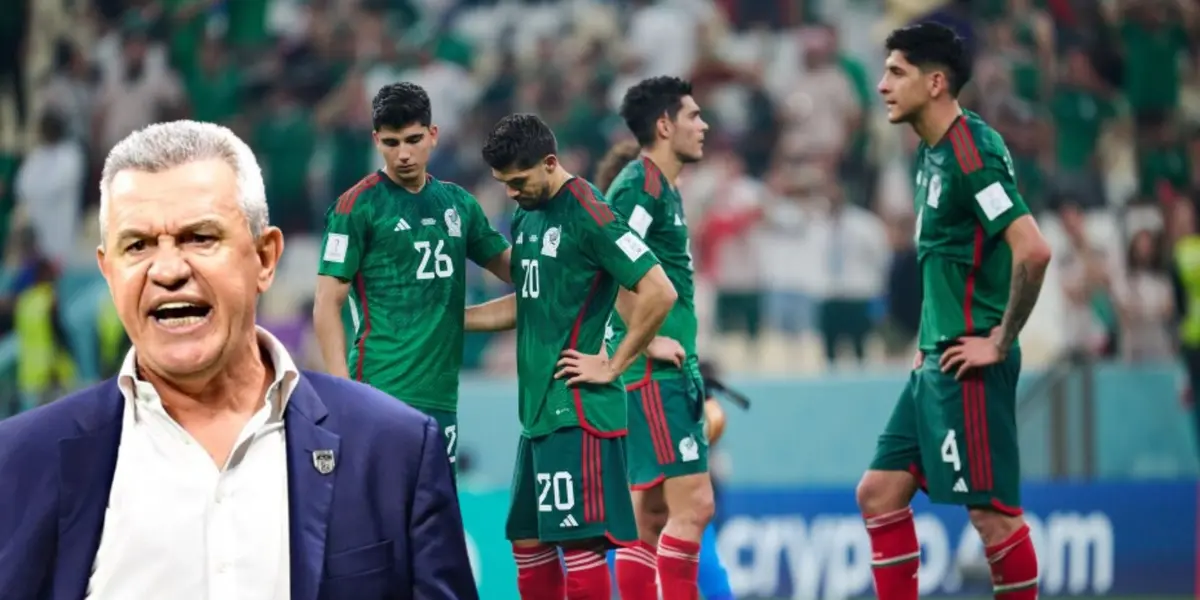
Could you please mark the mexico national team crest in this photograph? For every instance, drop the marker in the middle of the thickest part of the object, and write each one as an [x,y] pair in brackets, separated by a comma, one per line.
[550,241]
[689,450]
[453,223]
[323,461]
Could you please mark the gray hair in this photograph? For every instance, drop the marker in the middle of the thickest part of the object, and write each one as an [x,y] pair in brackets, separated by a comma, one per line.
[163,146]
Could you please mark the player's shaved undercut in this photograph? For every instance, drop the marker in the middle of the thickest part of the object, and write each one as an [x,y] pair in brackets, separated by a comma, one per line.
[650,99]
[519,142]
[933,46]
[398,105]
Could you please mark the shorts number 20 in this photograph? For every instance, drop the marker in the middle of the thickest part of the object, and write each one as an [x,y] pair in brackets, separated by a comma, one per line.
[950,451]
[557,491]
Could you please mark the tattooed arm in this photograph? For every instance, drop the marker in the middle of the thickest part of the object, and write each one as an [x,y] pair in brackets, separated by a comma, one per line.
[1031,256]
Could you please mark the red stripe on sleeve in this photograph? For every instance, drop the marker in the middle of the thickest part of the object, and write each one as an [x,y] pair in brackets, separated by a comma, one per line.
[583,194]
[346,203]
[653,182]
[965,149]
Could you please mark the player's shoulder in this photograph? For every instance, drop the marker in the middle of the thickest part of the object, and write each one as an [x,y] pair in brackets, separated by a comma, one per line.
[586,204]
[451,190]
[640,175]
[359,195]
[362,408]
[976,144]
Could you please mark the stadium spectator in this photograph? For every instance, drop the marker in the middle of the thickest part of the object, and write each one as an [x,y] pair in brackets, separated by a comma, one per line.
[49,190]
[1088,276]
[857,257]
[138,86]
[1147,302]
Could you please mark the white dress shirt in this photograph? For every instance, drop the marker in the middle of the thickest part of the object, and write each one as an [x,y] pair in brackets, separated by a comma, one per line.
[179,527]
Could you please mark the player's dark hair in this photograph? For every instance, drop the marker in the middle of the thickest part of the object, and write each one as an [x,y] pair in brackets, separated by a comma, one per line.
[519,141]
[615,160]
[650,99]
[398,105]
[934,46]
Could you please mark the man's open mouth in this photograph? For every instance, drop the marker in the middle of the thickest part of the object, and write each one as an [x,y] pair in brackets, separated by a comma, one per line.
[176,314]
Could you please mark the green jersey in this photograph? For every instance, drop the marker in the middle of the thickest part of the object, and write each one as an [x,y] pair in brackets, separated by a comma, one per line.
[965,196]
[654,210]
[405,256]
[569,256]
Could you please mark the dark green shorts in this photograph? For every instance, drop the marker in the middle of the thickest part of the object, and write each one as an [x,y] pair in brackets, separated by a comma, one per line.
[448,424]
[666,431]
[570,485]
[958,437]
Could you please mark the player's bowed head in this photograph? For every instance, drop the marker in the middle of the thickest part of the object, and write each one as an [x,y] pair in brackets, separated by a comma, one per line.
[186,248]
[403,132]
[523,155]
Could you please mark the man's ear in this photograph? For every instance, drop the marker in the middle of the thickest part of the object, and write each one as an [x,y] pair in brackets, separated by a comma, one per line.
[269,250]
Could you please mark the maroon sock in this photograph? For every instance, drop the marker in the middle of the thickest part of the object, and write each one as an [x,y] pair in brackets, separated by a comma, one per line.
[587,575]
[1014,567]
[678,566]
[539,573]
[895,554]
[637,574]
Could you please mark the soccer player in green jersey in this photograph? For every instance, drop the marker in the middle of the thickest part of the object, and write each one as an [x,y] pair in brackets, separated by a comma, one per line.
[397,245]
[571,253]
[668,450]
[953,431]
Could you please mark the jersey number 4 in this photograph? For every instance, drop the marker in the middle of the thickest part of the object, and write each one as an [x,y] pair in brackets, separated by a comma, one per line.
[531,284]
[434,264]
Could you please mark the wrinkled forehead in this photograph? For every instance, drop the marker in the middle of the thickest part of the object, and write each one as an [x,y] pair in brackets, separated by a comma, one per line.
[173,200]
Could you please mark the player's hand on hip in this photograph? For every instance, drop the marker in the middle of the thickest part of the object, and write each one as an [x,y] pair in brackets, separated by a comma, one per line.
[971,352]
[579,368]
[665,349]
[918,360]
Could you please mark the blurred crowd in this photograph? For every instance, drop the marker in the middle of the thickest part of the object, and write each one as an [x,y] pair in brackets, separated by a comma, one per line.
[801,211]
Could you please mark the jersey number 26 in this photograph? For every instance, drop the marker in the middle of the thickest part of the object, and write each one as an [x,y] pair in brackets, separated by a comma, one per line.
[440,267]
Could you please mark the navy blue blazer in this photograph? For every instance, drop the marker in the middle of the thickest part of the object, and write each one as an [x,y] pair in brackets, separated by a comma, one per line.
[383,524]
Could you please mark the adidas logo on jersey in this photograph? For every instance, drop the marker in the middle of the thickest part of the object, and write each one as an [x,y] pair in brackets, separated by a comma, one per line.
[520,238]
[569,522]
[960,486]
[402,226]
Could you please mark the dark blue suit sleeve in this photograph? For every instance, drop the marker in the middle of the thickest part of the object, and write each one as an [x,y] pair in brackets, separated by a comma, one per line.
[441,567]
[28,521]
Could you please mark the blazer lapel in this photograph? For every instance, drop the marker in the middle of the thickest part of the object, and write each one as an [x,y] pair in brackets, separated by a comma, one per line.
[86,466]
[312,458]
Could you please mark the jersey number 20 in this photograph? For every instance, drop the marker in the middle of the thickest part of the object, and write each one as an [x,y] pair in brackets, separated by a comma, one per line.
[531,285]
[441,266]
